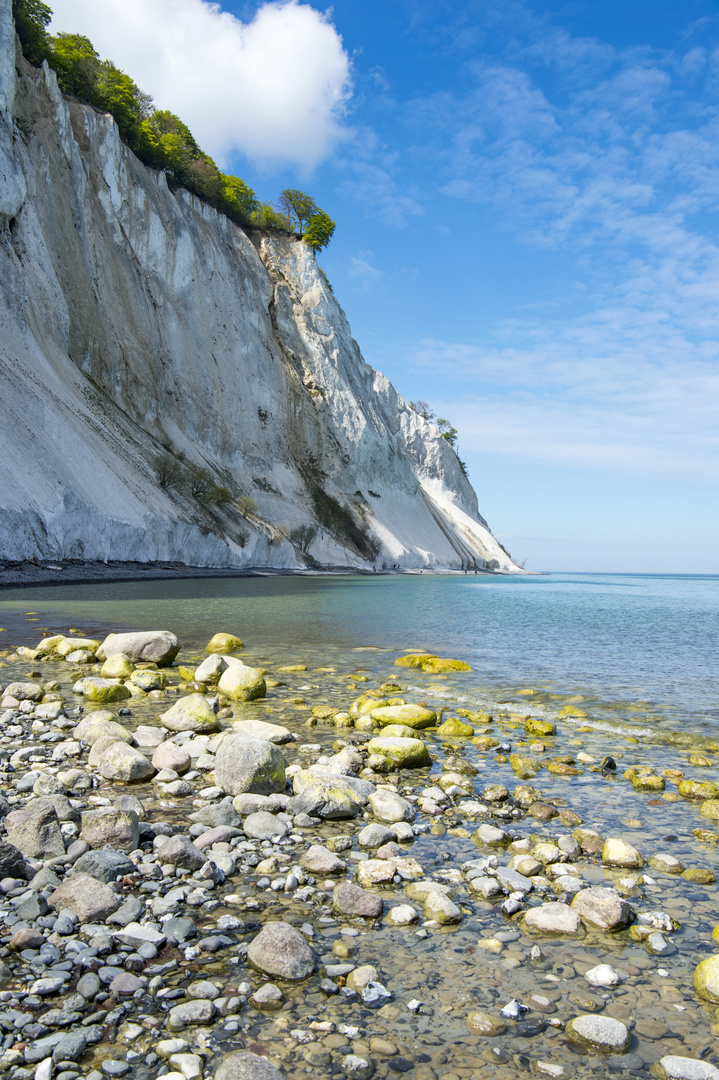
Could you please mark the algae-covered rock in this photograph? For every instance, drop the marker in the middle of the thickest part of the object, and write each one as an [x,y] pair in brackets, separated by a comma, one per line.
[698,789]
[481,1023]
[437,665]
[648,782]
[330,796]
[452,728]
[617,852]
[572,711]
[524,766]
[414,660]
[601,1033]
[399,731]
[71,644]
[389,807]
[710,809]
[706,979]
[401,753]
[191,713]
[441,909]
[414,716]
[534,725]
[148,680]
[117,666]
[673,1067]
[223,643]
[242,683]
[699,875]
[363,705]
[104,690]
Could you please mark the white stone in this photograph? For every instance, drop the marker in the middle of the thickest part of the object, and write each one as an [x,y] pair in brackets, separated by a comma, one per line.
[602,975]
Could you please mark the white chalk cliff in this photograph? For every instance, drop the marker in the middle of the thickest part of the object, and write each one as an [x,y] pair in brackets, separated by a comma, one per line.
[138,325]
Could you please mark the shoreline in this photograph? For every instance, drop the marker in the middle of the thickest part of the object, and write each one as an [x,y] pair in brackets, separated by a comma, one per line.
[21,575]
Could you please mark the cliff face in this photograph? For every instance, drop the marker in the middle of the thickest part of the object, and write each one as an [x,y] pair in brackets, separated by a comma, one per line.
[142,335]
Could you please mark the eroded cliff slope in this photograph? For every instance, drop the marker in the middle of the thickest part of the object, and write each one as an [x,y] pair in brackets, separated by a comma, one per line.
[144,337]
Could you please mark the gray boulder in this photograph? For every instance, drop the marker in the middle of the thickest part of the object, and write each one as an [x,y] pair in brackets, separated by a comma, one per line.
[603,908]
[124,764]
[159,646]
[35,831]
[91,900]
[191,713]
[180,851]
[246,764]
[106,865]
[282,952]
[263,826]
[168,755]
[320,860]
[328,795]
[109,826]
[390,807]
[244,1065]
[12,863]
[350,900]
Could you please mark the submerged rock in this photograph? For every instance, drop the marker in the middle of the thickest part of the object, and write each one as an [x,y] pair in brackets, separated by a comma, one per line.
[601,1033]
[414,716]
[244,1065]
[159,646]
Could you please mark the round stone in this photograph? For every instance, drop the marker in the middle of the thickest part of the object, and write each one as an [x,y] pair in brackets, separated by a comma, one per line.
[706,979]
[281,951]
[600,1033]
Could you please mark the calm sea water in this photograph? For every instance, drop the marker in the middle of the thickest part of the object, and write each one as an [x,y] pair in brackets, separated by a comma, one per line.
[639,649]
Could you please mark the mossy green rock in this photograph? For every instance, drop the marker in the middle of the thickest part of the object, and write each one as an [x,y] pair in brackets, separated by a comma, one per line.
[572,710]
[364,705]
[698,789]
[452,728]
[710,809]
[401,753]
[648,782]
[414,716]
[706,979]
[536,726]
[223,643]
[413,661]
[191,713]
[524,765]
[103,690]
[436,665]
[398,731]
[242,683]
[117,666]
[699,875]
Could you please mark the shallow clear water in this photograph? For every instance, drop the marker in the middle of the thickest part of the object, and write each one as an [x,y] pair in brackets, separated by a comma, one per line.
[640,649]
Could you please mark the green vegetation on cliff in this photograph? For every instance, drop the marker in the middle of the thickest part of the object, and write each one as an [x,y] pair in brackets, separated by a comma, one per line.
[158,137]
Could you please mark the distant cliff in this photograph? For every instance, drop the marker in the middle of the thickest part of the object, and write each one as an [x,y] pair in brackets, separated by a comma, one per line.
[174,389]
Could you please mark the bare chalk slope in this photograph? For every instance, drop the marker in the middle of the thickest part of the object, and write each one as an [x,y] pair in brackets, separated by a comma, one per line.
[142,335]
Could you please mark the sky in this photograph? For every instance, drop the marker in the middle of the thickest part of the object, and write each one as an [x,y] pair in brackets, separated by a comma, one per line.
[526,199]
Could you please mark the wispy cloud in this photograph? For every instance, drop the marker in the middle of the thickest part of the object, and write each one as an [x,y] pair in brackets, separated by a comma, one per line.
[361,269]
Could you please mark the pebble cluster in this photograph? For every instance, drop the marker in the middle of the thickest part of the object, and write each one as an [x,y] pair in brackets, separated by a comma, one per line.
[371,887]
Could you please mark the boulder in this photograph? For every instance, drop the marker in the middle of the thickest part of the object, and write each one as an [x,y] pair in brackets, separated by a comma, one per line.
[124,764]
[109,826]
[673,1067]
[90,900]
[617,852]
[320,860]
[552,918]
[260,729]
[242,683]
[441,909]
[168,755]
[263,825]
[106,865]
[210,669]
[12,862]
[103,690]
[326,795]
[603,908]
[706,979]
[24,691]
[117,666]
[35,831]
[159,646]
[414,716]
[374,836]
[281,951]
[600,1033]
[68,645]
[147,679]
[400,752]
[191,713]
[223,643]
[179,851]
[245,764]
[389,807]
[91,730]
[243,1065]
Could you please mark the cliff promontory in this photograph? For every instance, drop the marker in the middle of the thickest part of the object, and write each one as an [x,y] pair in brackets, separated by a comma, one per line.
[173,388]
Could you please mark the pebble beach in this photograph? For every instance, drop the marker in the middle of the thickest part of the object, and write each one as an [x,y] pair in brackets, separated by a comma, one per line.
[223,861]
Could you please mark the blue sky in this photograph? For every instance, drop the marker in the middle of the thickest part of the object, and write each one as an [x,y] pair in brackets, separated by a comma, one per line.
[526,200]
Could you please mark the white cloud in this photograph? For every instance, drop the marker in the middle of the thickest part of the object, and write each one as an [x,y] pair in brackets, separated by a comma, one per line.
[273,89]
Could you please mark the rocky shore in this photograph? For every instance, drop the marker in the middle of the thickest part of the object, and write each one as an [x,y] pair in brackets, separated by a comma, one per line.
[278,869]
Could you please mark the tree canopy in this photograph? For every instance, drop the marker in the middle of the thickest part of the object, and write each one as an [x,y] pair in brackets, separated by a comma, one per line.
[157,136]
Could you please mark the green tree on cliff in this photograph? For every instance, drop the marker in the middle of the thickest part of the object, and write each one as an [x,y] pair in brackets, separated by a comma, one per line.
[319,230]
[31,19]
